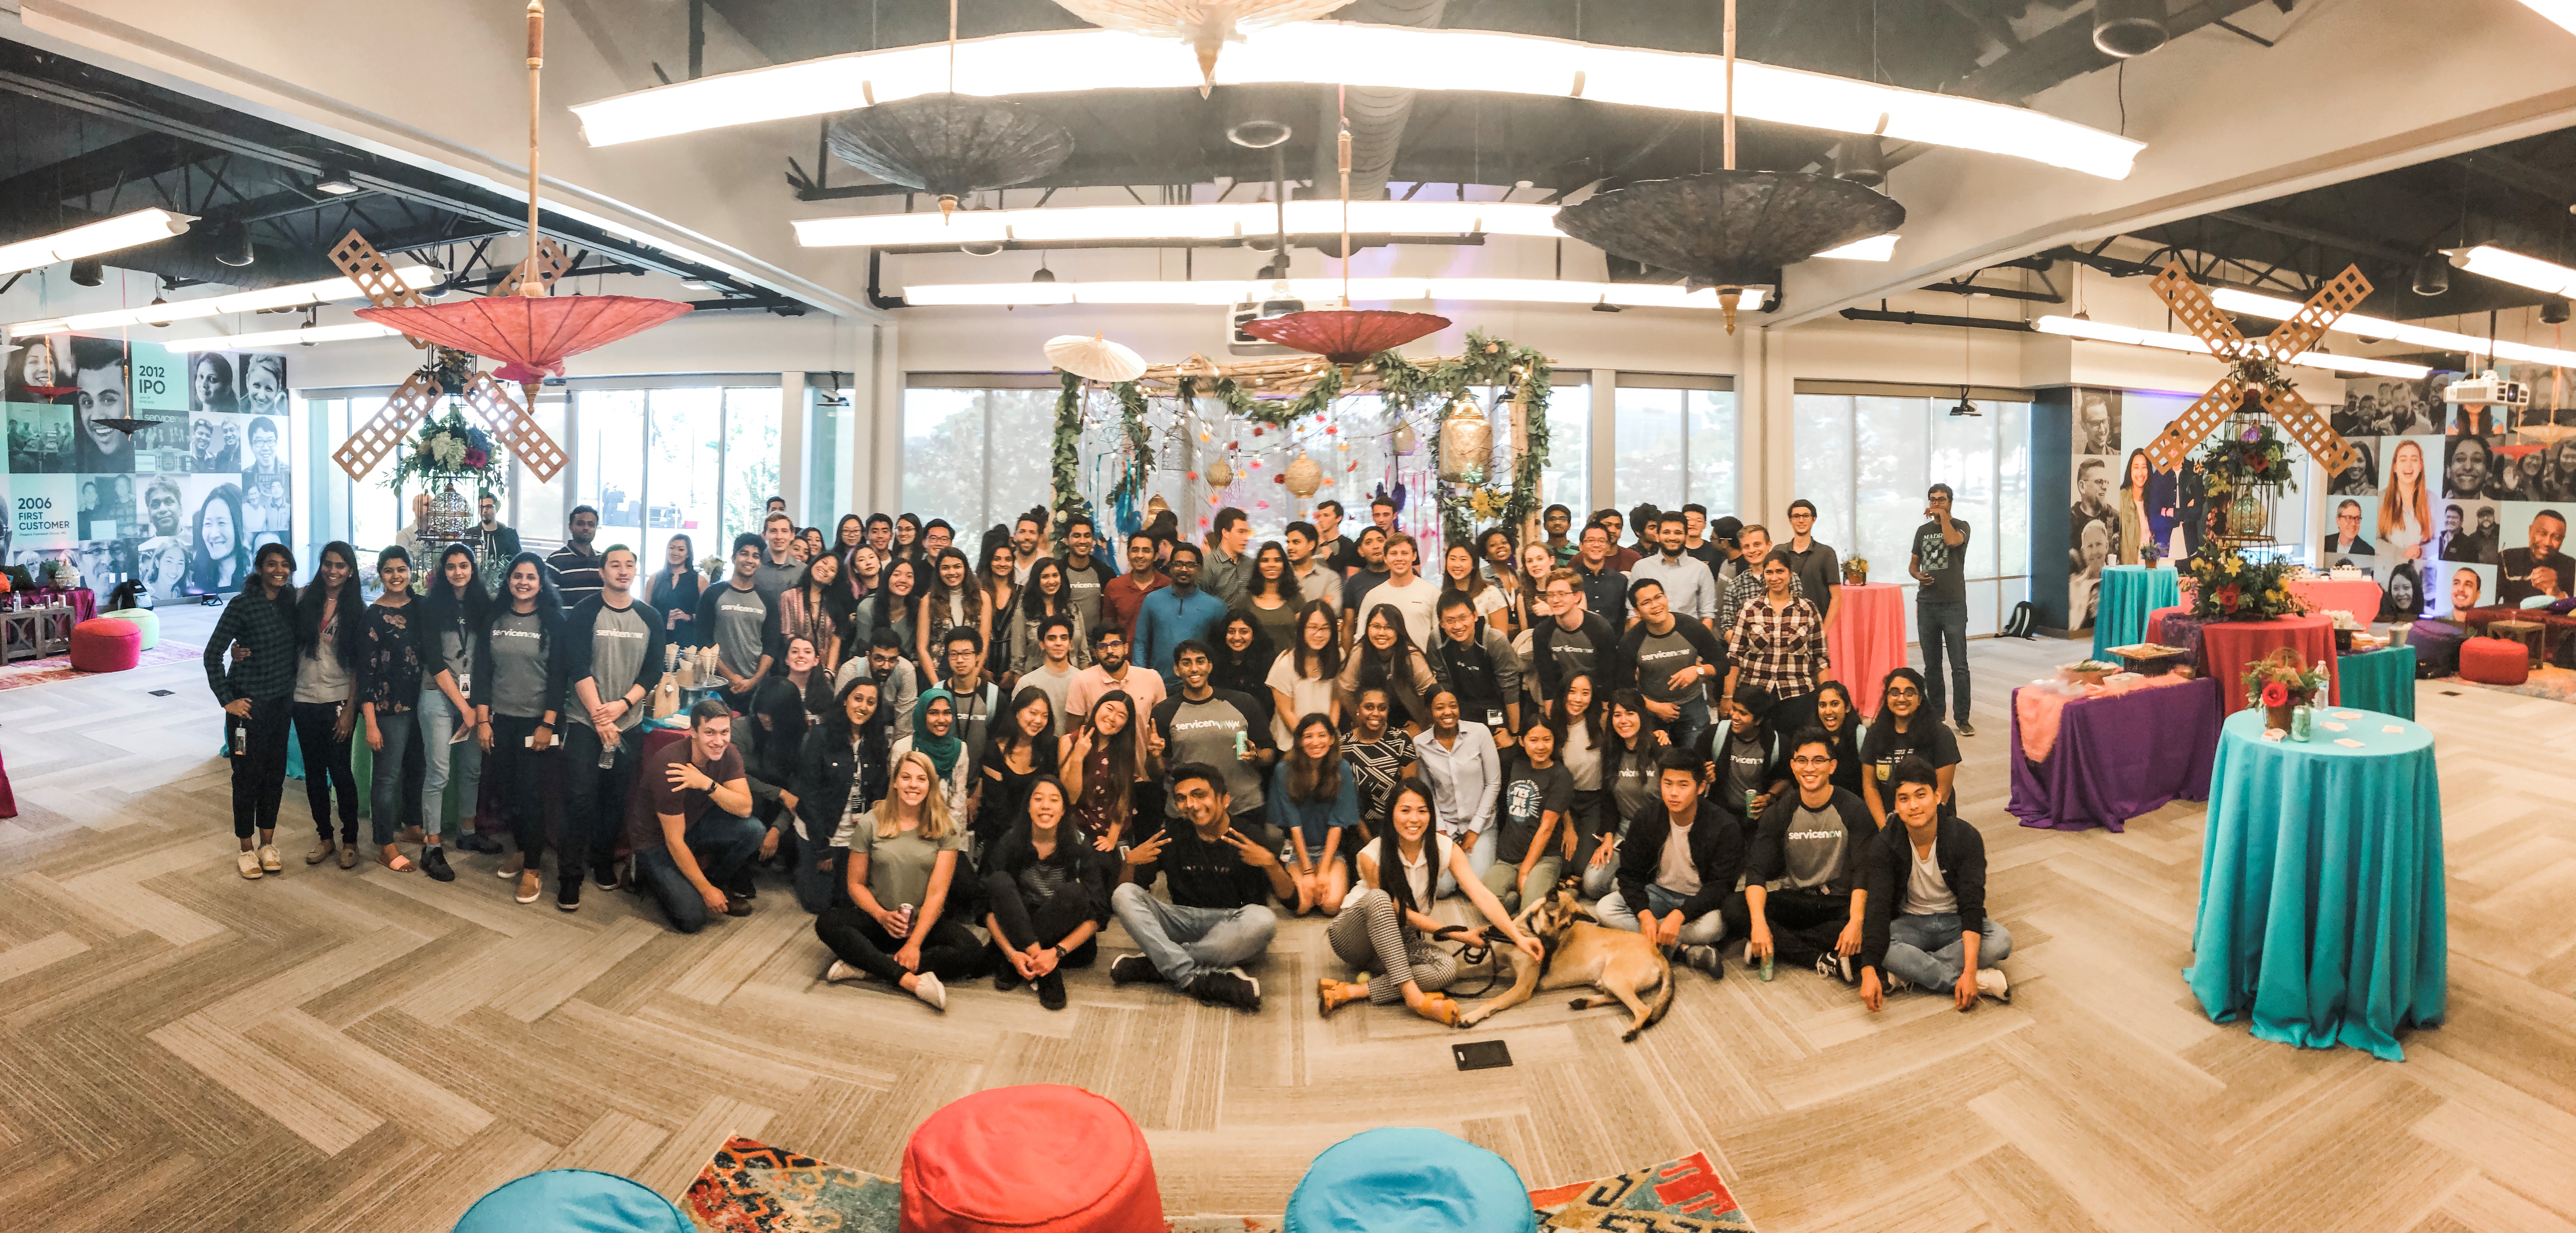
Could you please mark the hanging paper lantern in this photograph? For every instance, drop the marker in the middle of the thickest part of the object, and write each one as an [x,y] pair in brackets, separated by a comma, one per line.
[1303,476]
[1220,473]
[1405,441]
[1466,443]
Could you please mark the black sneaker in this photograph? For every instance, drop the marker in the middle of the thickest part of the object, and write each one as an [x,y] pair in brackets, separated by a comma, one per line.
[1836,966]
[433,861]
[1007,978]
[568,895]
[1964,728]
[1229,987]
[1705,959]
[605,875]
[476,841]
[1134,970]
[1051,990]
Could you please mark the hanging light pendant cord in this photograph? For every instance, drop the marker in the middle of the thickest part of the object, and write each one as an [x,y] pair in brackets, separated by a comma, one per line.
[530,284]
[1342,106]
[1730,85]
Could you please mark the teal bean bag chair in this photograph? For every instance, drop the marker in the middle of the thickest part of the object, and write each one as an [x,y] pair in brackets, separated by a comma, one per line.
[1402,1179]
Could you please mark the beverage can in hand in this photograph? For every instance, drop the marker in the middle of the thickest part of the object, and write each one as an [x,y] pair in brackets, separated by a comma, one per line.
[1766,967]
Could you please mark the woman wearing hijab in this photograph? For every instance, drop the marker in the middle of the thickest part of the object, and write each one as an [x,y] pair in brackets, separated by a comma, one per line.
[934,735]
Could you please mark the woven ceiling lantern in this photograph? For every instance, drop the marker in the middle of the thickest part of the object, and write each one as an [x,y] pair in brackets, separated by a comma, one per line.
[1730,229]
[950,144]
[1303,476]
[1206,25]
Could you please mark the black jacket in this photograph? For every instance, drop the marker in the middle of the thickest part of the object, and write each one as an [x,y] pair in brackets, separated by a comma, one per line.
[824,779]
[1769,859]
[1083,865]
[578,630]
[1717,851]
[1596,631]
[1961,854]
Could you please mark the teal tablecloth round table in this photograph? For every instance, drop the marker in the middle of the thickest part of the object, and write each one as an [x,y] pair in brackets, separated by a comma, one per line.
[2381,680]
[2129,593]
[2321,903]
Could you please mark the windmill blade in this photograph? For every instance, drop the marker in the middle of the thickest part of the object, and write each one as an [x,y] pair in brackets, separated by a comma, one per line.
[510,424]
[374,274]
[548,259]
[2333,300]
[2192,426]
[2192,307]
[409,405]
[2299,418]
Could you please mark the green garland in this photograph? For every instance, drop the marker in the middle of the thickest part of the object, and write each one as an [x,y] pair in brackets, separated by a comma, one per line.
[1066,473]
[1131,423]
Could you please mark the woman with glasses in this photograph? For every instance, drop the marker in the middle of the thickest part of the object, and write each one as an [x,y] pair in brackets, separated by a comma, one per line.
[1903,728]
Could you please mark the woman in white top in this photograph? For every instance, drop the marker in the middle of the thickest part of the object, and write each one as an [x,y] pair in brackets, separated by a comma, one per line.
[1387,927]
[1585,744]
[1466,775]
[1458,573]
[1301,679]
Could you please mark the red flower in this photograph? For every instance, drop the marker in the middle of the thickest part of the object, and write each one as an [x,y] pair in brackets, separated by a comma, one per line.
[2276,694]
[2227,598]
[476,458]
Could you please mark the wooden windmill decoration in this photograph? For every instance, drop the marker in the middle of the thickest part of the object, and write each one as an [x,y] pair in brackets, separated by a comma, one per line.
[2235,393]
[504,413]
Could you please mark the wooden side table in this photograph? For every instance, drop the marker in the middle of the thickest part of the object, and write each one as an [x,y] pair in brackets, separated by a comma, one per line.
[34,633]
[2528,633]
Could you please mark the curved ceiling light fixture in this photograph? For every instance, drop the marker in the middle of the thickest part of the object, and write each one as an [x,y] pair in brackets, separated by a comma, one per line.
[1345,53]
[1226,292]
[1206,25]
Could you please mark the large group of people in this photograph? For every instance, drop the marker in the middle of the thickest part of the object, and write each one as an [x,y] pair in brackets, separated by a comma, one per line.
[965,765]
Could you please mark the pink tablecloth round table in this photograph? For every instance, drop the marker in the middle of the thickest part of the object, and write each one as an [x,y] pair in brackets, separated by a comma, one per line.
[2360,596]
[1867,640]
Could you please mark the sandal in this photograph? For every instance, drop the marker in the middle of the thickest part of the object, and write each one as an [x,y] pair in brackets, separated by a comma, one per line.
[1332,995]
[1439,1008]
[398,863]
[248,863]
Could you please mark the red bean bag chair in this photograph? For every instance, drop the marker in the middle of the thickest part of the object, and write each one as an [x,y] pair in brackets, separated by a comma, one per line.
[1044,1158]
[105,644]
[2494,661]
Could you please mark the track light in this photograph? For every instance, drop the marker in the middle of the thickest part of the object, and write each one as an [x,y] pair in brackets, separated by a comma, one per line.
[2125,29]
[232,244]
[2554,312]
[2432,273]
[336,181]
[88,272]
[1860,160]
[1258,134]
[1044,275]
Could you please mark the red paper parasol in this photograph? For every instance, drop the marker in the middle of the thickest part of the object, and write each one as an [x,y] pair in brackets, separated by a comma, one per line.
[530,336]
[1345,336]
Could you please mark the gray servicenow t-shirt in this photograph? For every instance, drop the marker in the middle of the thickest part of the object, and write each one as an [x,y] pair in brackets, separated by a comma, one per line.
[1659,657]
[617,645]
[741,627]
[1205,732]
[518,665]
[1813,847]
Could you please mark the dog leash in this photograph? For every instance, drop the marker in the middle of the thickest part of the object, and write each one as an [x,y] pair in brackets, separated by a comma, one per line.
[1476,948]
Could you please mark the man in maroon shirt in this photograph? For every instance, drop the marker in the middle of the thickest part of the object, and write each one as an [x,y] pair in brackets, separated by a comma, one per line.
[696,858]
[1120,595]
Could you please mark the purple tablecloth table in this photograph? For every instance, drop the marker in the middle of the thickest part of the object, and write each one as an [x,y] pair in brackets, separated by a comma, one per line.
[2119,757]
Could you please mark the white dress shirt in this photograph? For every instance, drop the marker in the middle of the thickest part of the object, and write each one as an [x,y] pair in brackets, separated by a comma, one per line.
[1465,781]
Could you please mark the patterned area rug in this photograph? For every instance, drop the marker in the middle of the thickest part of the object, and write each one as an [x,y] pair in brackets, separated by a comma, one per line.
[751,1187]
[46,671]
[2554,683]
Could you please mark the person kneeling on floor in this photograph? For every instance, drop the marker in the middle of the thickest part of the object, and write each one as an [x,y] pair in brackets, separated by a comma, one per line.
[1221,881]
[1678,867]
[1925,922]
[1803,898]
[697,861]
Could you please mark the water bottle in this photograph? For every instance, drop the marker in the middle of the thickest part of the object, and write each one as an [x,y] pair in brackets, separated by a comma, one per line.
[607,755]
[238,732]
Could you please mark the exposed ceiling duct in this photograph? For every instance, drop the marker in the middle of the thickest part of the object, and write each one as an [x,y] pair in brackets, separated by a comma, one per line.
[1377,115]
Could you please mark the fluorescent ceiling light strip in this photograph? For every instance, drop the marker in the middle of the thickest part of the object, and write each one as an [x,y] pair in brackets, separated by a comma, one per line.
[1206,221]
[1222,293]
[297,295]
[2276,309]
[91,239]
[1347,53]
[1875,248]
[2507,266]
[2101,331]
[2561,11]
[281,338]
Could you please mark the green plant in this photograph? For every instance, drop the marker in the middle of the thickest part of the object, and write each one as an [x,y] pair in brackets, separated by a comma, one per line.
[2227,587]
[2279,679]
[448,449]
[2255,457]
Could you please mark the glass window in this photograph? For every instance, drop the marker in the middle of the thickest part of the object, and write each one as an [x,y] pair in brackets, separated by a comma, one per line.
[943,453]
[539,507]
[750,470]
[1822,467]
[1866,463]
[683,460]
[1567,478]
[376,512]
[1676,447]
[610,456]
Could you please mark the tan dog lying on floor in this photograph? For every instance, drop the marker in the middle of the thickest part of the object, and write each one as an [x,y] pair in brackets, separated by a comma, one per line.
[1581,951]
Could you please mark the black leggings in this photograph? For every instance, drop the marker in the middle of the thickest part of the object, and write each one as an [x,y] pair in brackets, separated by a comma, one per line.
[1804,923]
[326,767]
[259,771]
[1049,924]
[949,951]
[520,772]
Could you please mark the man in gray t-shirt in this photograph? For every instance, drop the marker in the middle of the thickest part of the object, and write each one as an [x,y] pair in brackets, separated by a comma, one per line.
[739,621]
[618,642]
[778,569]
[1939,566]
[1207,725]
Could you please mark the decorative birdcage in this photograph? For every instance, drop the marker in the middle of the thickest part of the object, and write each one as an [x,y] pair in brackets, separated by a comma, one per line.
[2245,466]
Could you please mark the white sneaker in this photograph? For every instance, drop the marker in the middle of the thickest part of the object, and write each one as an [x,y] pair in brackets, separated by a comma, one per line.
[928,989]
[1991,983]
[839,972]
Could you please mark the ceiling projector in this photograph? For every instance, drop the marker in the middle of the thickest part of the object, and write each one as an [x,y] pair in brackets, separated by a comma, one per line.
[2488,389]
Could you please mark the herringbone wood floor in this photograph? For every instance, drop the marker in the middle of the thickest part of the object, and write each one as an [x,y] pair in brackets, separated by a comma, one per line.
[357,1050]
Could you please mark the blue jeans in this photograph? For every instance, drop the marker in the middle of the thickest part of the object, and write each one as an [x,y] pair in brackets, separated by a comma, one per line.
[1707,929]
[1480,858]
[1929,951]
[1687,728]
[439,721]
[387,790]
[724,846]
[1183,942]
[1940,625]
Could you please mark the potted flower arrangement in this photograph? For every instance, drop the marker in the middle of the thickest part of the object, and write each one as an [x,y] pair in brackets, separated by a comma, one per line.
[1856,572]
[2280,685]
[445,451]
[2228,587]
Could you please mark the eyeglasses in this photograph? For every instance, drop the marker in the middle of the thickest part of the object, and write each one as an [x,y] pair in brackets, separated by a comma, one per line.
[1904,691]
[1811,761]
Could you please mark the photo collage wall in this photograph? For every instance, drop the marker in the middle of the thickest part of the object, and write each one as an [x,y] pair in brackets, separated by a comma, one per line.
[2450,507]
[2112,429]
[183,504]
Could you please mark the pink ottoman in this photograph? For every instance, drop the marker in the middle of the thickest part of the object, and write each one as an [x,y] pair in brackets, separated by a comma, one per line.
[105,644]
[2494,661]
[1044,1158]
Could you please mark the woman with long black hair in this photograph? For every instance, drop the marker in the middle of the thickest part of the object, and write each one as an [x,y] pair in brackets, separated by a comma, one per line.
[1905,727]
[1104,762]
[1241,660]
[893,606]
[1386,659]
[1386,926]
[841,770]
[1635,748]
[675,591]
[1301,677]
[1313,798]
[1046,895]
[1840,720]
[452,618]
[1045,595]
[1271,597]
[1019,750]
[326,696]
[257,694]
[847,534]
[804,611]
[389,681]
[953,599]
[519,684]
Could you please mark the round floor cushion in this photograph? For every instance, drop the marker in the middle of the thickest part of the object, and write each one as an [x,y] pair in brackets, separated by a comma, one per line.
[1042,1158]
[1412,1180]
[572,1201]
[144,619]
[2494,661]
[105,644]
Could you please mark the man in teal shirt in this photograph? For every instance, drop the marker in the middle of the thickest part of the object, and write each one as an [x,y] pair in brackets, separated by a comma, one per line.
[1175,614]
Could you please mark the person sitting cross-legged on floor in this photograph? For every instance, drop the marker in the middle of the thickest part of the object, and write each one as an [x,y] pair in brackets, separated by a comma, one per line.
[1925,922]
[1677,868]
[697,860]
[1803,896]
[1221,881]
[1046,895]
[1385,926]
[889,920]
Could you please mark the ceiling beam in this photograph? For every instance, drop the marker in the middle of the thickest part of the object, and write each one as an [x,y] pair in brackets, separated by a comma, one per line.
[2358,244]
